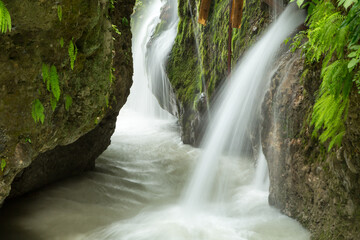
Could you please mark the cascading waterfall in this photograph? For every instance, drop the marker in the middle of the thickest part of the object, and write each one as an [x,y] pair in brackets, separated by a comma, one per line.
[133,193]
[238,105]
[141,98]
[159,48]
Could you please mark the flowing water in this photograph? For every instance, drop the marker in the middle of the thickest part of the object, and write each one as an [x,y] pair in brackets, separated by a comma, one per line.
[158,50]
[237,108]
[136,191]
[141,98]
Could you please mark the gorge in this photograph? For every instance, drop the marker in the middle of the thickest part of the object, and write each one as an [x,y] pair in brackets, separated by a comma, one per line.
[250,162]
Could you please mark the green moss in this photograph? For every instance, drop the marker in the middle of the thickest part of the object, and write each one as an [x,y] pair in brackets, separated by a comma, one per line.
[186,69]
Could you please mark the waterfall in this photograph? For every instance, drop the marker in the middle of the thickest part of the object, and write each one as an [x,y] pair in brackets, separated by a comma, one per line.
[159,48]
[149,66]
[237,107]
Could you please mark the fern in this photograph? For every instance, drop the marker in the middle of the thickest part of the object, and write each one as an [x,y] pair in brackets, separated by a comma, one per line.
[331,35]
[357,81]
[112,4]
[72,54]
[46,74]
[328,114]
[107,100]
[346,3]
[53,103]
[124,21]
[111,75]
[3,164]
[61,41]
[5,19]
[54,83]
[336,79]
[37,111]
[68,102]
[116,30]
[353,21]
[59,11]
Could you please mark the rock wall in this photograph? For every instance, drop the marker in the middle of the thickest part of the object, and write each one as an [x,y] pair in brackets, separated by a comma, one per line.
[70,139]
[198,61]
[318,188]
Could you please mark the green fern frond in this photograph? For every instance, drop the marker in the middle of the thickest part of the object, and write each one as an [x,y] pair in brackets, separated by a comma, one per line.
[61,41]
[116,30]
[5,19]
[329,39]
[37,111]
[336,79]
[68,102]
[53,103]
[54,83]
[72,54]
[3,164]
[353,22]
[347,3]
[328,114]
[45,70]
[59,11]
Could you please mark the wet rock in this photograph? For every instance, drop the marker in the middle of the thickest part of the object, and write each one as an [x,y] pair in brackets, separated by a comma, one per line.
[318,188]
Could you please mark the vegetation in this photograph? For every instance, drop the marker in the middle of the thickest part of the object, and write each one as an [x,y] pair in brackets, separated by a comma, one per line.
[59,11]
[51,79]
[332,40]
[37,111]
[5,19]
[3,164]
[68,102]
[72,53]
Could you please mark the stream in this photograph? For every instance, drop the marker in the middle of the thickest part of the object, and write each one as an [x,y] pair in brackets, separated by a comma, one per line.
[148,185]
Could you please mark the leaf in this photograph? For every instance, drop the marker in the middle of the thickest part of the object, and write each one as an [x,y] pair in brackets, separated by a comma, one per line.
[352,63]
[3,164]
[54,83]
[45,70]
[53,103]
[299,2]
[37,111]
[125,21]
[116,30]
[61,42]
[352,55]
[72,54]
[347,3]
[68,102]
[107,101]
[59,11]
[5,19]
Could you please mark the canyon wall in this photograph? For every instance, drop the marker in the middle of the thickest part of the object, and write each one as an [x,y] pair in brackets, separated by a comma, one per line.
[78,128]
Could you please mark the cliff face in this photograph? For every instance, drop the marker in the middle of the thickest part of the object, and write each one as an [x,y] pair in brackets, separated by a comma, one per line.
[318,188]
[198,62]
[71,137]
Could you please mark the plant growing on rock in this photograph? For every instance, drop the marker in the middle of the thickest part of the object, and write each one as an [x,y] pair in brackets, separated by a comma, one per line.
[333,36]
[37,111]
[5,19]
[72,53]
